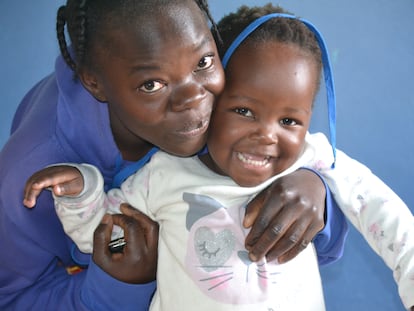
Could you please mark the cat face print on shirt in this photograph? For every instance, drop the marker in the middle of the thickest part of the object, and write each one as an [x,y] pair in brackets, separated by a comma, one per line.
[216,258]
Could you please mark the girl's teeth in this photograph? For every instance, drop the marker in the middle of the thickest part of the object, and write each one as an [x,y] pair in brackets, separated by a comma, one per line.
[249,161]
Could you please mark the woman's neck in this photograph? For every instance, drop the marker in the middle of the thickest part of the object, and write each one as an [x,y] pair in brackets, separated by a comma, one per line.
[131,147]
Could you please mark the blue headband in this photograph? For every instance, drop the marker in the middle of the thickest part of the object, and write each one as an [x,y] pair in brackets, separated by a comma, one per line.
[329,84]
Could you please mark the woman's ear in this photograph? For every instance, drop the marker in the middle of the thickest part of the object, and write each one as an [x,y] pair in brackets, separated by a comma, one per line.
[91,83]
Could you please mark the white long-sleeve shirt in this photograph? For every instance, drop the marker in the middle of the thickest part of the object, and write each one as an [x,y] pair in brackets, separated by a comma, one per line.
[181,192]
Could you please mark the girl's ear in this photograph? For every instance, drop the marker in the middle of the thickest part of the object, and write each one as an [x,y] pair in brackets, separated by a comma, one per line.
[91,83]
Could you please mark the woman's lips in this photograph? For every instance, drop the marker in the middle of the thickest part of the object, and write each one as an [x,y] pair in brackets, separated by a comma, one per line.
[195,129]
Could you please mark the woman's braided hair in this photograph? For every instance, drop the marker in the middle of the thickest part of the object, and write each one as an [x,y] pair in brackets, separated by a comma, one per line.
[291,31]
[85,19]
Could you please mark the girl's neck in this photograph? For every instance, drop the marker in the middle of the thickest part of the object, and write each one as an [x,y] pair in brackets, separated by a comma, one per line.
[209,162]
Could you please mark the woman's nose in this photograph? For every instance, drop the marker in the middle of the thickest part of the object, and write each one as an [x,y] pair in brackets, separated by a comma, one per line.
[187,95]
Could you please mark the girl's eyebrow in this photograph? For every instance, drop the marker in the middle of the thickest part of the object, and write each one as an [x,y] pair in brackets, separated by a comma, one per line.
[244,98]
[296,110]
[248,99]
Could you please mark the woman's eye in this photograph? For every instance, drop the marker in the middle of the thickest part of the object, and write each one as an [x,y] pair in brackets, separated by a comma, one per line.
[244,112]
[287,121]
[205,63]
[151,86]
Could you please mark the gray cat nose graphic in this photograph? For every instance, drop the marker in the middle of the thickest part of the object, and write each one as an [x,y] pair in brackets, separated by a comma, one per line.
[244,257]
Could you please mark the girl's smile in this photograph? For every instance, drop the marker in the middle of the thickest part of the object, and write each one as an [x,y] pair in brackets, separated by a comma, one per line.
[253,161]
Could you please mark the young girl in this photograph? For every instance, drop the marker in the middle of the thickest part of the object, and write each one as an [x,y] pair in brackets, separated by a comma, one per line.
[136,74]
[259,130]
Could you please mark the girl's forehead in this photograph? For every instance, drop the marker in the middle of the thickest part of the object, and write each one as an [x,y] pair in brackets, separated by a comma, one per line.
[267,56]
[269,68]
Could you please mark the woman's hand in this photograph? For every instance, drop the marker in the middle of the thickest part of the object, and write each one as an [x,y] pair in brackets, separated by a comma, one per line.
[137,263]
[285,217]
[61,179]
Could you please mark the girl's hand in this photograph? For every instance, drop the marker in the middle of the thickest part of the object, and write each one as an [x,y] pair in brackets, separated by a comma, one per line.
[137,263]
[285,217]
[61,179]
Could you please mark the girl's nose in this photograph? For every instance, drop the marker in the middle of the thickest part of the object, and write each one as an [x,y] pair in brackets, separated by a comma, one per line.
[187,96]
[266,133]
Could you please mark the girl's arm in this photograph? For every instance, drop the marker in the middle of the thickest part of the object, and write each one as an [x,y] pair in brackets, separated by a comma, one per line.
[380,216]
[79,198]
[375,210]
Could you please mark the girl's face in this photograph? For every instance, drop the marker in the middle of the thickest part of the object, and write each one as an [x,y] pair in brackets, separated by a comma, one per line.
[160,77]
[261,119]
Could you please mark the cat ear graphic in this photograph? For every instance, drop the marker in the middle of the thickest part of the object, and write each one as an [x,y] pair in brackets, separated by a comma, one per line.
[208,204]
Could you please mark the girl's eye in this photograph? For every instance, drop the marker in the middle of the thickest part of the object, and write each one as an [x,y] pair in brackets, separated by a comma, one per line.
[287,121]
[244,112]
[205,63]
[151,86]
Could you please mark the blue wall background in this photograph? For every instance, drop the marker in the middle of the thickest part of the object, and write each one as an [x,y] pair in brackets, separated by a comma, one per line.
[372,50]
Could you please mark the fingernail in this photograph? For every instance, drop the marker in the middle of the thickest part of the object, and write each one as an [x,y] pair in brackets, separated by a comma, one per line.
[59,190]
[27,203]
[252,257]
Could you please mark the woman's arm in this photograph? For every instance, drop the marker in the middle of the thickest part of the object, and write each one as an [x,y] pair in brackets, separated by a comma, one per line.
[291,213]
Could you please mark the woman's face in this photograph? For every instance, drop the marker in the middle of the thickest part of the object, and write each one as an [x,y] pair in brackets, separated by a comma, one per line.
[160,78]
[261,119]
